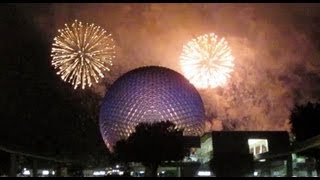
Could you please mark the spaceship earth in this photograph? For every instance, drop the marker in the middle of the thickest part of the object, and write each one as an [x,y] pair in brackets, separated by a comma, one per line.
[150,94]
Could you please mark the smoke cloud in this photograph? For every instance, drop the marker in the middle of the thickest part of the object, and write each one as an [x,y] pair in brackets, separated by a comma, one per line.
[276,53]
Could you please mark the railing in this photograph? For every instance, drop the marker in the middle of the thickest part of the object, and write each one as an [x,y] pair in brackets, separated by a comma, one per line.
[307,144]
[34,155]
[295,147]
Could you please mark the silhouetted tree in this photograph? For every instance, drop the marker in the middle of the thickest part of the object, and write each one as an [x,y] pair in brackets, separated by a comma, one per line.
[304,120]
[152,144]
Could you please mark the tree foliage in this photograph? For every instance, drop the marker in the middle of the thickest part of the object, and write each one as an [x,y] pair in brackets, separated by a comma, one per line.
[305,120]
[152,144]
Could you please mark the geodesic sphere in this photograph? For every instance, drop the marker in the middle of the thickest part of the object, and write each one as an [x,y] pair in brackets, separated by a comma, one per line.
[150,94]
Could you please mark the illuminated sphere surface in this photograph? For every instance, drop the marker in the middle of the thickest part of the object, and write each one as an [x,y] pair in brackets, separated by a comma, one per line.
[150,94]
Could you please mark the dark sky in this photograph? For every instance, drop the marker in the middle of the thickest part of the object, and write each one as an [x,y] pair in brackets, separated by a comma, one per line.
[41,114]
[276,50]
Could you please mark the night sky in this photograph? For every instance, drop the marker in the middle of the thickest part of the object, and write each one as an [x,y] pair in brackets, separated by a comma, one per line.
[276,50]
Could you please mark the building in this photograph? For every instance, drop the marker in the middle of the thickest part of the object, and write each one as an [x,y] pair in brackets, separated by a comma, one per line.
[261,153]
[271,152]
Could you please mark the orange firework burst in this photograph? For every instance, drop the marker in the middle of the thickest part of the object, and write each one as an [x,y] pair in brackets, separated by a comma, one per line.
[207,61]
[82,53]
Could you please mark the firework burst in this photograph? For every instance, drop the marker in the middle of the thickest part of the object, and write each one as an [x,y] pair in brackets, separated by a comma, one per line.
[207,61]
[82,53]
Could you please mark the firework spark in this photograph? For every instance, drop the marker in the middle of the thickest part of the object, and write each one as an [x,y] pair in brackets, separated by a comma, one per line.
[82,53]
[207,61]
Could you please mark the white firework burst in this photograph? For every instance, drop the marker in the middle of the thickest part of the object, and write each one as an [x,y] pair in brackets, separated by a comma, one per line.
[207,61]
[82,53]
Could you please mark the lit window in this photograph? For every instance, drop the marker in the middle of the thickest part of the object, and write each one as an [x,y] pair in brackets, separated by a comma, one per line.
[258,146]
[257,149]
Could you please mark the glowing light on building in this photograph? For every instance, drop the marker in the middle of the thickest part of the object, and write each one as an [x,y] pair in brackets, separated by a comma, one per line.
[26,172]
[45,172]
[204,173]
[99,173]
[258,146]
